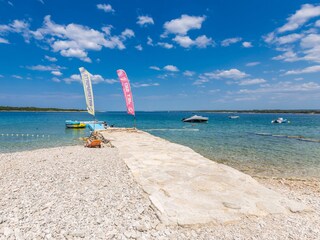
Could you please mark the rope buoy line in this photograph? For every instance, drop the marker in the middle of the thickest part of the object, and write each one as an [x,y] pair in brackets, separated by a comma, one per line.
[24,135]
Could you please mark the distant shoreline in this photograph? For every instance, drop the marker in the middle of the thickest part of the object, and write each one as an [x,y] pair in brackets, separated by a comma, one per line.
[37,109]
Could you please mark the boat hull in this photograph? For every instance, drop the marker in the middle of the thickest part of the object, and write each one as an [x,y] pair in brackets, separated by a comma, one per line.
[80,125]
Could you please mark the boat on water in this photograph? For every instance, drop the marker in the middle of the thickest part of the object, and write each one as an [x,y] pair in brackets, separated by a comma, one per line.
[195,118]
[280,120]
[75,124]
[234,117]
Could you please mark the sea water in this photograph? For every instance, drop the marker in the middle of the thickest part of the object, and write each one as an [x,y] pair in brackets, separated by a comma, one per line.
[250,143]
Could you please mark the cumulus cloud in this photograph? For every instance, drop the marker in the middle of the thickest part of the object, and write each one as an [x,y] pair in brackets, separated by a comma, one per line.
[150,41]
[127,33]
[51,59]
[17,26]
[247,44]
[55,79]
[188,73]
[105,7]
[300,17]
[16,76]
[200,42]
[165,45]
[145,20]
[227,42]
[56,73]
[5,41]
[139,85]
[139,47]
[303,46]
[171,68]
[251,64]
[155,68]
[228,74]
[251,81]
[183,24]
[74,40]
[44,68]
[312,69]
[95,79]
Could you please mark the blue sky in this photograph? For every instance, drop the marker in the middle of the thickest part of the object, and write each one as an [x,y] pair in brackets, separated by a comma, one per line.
[178,55]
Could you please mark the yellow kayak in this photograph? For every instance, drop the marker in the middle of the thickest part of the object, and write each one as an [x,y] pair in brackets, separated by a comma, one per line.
[80,125]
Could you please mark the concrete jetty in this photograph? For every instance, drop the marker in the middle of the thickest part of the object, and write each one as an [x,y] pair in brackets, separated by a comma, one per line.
[187,188]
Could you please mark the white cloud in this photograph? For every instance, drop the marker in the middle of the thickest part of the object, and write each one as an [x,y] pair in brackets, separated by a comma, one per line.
[288,56]
[300,17]
[111,81]
[229,74]
[317,24]
[155,68]
[312,69]
[251,64]
[139,85]
[288,38]
[107,29]
[74,40]
[51,59]
[16,76]
[165,45]
[5,41]
[56,73]
[203,41]
[171,68]
[95,79]
[150,41]
[127,33]
[105,7]
[247,44]
[310,41]
[184,41]
[55,79]
[17,26]
[201,80]
[139,47]
[251,81]
[188,73]
[283,87]
[44,68]
[227,42]
[200,42]
[145,20]
[183,24]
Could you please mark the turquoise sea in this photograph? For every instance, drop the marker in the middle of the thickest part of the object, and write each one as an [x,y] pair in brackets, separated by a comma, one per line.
[251,143]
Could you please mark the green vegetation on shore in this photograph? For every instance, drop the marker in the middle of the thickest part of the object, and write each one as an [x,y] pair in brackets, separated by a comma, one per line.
[304,111]
[37,109]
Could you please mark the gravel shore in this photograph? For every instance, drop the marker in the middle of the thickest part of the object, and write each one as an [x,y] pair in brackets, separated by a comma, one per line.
[80,193]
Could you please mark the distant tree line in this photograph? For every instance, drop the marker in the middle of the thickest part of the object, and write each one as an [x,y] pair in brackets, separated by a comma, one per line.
[35,109]
[305,111]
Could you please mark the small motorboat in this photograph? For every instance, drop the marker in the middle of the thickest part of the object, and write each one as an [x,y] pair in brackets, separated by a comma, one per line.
[195,118]
[233,117]
[280,120]
[75,124]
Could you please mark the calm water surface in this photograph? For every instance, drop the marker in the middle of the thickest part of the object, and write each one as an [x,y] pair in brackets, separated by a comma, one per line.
[251,143]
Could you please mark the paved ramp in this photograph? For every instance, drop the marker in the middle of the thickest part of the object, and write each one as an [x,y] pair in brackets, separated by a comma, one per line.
[187,188]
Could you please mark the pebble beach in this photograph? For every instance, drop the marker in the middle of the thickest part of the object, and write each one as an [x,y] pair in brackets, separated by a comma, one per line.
[79,193]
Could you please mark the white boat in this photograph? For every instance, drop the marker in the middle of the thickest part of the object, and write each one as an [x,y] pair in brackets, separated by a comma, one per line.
[195,118]
[233,117]
[280,120]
